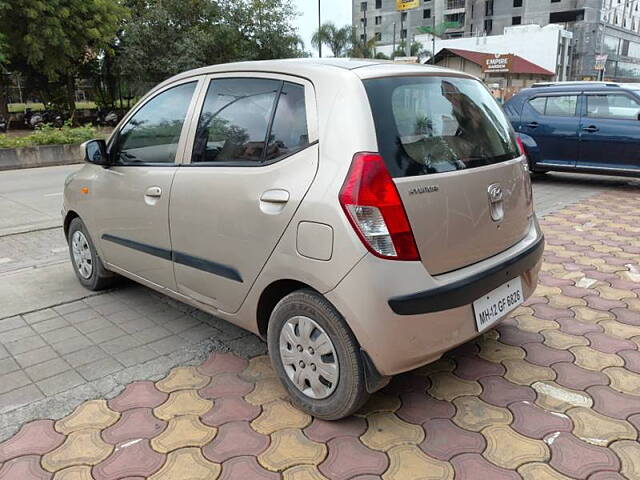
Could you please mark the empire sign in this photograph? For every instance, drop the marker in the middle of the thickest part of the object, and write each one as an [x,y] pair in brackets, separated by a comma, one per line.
[498,63]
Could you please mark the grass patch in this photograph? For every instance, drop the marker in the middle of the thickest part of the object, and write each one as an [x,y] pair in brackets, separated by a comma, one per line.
[48,135]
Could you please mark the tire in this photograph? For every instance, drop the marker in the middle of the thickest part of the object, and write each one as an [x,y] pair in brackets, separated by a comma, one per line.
[336,399]
[98,278]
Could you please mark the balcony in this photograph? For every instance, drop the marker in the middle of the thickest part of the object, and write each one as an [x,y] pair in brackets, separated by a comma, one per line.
[454,6]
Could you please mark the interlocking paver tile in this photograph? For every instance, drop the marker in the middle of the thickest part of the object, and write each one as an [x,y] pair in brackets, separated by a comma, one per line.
[137,395]
[132,425]
[323,430]
[613,403]
[348,457]
[408,462]
[562,341]
[626,316]
[629,454]
[544,356]
[500,392]
[512,335]
[578,459]
[590,315]
[235,439]
[571,376]
[535,422]
[540,471]
[380,402]
[623,380]
[184,431]
[447,386]
[474,368]
[220,362]
[587,357]
[474,414]
[508,449]
[182,378]
[226,385]
[258,367]
[494,351]
[406,383]
[78,472]
[245,467]
[303,472]
[34,438]
[557,398]
[23,468]
[95,415]
[386,430]
[183,402]
[417,408]
[631,360]
[265,391]
[573,326]
[473,465]
[84,447]
[598,429]
[230,409]
[278,415]
[522,372]
[131,459]
[444,439]
[289,448]
[188,460]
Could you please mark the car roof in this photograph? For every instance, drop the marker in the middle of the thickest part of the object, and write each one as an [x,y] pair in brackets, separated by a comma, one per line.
[550,87]
[312,67]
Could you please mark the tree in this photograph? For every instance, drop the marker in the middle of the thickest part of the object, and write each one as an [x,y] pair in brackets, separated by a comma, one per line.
[359,48]
[165,37]
[337,39]
[55,39]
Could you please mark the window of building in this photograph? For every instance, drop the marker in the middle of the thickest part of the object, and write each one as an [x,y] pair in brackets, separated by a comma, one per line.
[567,16]
[488,25]
[378,20]
[403,33]
[152,134]
[426,13]
[378,3]
[235,119]
[363,6]
[618,107]
[517,3]
[378,36]
[516,20]
[488,8]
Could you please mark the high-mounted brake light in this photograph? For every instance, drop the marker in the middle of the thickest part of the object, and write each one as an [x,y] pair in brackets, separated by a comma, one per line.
[372,204]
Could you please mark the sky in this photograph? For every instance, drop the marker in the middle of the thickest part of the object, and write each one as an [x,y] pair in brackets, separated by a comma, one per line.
[336,11]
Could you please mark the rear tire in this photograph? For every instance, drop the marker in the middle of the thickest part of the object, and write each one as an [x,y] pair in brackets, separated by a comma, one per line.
[85,260]
[299,322]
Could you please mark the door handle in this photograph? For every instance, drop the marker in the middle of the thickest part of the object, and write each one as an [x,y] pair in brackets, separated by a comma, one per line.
[275,196]
[533,125]
[153,192]
[591,129]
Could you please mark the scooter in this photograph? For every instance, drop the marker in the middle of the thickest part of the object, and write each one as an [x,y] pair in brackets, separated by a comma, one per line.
[107,118]
[3,125]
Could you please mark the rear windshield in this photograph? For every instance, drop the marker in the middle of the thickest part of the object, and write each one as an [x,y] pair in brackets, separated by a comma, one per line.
[438,124]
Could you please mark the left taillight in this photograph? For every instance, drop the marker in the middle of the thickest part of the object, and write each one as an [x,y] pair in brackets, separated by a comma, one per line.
[373,206]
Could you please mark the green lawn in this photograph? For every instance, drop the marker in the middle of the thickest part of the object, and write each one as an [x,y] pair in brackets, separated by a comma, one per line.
[37,107]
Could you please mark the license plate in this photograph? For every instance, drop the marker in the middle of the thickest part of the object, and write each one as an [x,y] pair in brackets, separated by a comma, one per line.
[497,303]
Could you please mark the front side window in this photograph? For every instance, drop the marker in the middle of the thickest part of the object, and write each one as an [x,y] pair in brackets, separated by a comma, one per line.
[430,125]
[619,107]
[152,134]
[250,120]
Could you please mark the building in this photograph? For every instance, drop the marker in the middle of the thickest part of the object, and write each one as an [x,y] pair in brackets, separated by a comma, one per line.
[505,74]
[598,27]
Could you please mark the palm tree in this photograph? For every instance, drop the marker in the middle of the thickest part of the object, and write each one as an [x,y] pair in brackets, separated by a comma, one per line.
[360,48]
[337,39]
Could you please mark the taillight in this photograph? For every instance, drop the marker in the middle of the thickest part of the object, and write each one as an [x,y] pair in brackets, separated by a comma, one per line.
[372,204]
[525,167]
[521,146]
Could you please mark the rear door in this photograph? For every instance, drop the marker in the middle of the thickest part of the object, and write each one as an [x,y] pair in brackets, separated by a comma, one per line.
[610,132]
[253,157]
[553,121]
[453,155]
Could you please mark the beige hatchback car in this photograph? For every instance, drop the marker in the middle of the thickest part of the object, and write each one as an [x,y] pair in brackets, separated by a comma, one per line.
[363,217]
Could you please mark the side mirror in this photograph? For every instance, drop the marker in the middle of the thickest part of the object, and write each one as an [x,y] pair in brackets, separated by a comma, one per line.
[95,151]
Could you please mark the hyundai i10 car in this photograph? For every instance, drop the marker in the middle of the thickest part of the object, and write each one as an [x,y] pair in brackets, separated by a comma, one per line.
[362,217]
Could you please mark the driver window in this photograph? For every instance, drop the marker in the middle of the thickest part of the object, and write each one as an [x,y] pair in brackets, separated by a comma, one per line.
[613,106]
[153,133]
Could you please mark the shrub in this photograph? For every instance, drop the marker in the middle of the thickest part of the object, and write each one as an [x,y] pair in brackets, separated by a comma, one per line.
[49,135]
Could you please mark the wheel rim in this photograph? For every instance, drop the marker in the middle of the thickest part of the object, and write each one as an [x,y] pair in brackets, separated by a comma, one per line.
[82,254]
[309,357]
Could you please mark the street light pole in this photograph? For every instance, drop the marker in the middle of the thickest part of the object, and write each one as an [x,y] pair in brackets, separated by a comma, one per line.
[319,27]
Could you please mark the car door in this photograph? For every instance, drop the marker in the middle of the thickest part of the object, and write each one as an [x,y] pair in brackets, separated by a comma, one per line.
[610,132]
[254,155]
[552,120]
[132,215]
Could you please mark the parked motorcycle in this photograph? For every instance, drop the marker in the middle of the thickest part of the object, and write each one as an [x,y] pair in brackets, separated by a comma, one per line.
[49,116]
[107,118]
[3,124]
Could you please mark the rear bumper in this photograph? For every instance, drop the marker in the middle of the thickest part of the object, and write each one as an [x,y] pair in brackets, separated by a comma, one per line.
[398,341]
[467,290]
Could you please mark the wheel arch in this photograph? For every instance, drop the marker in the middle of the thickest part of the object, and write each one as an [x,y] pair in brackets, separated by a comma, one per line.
[71,214]
[269,298]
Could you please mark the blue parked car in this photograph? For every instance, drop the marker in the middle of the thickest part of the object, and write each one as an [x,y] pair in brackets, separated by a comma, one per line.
[589,127]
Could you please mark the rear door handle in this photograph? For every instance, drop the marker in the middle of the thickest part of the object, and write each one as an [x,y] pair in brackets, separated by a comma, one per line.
[533,125]
[153,192]
[591,129]
[275,196]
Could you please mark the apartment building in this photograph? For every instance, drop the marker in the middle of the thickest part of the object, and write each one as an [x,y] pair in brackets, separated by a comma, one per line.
[610,27]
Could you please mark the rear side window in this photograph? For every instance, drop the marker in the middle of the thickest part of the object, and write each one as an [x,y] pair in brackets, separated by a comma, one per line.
[430,125]
[555,106]
[620,107]
[250,121]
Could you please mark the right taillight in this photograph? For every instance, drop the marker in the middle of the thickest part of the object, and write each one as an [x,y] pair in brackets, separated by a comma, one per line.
[372,204]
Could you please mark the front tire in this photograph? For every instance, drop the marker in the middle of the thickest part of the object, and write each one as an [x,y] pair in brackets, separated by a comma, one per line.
[85,260]
[316,356]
